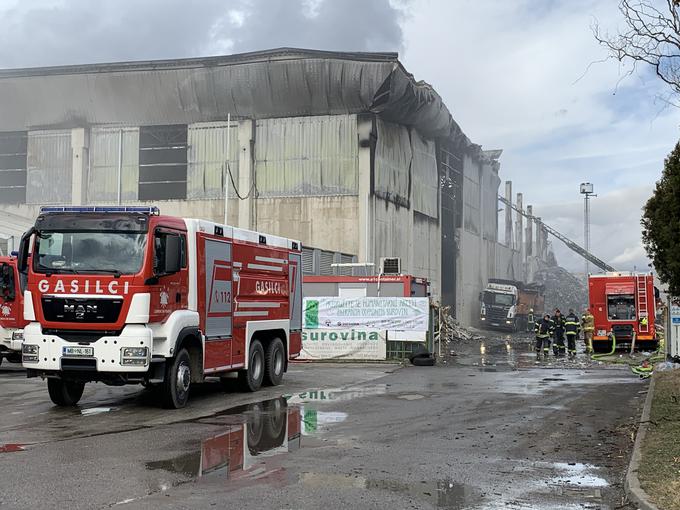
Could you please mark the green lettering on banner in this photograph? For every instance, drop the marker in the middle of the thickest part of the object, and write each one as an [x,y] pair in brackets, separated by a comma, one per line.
[333,336]
[374,336]
[312,314]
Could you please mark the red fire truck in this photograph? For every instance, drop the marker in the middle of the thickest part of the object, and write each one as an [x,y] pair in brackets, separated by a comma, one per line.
[624,306]
[11,311]
[125,295]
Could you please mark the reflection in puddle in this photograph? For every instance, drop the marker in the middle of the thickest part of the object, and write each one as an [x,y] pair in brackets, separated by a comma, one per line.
[96,410]
[335,394]
[241,450]
[11,447]
[251,450]
[439,493]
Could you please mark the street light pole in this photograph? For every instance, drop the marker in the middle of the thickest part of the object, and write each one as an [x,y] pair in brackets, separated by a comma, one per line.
[587,192]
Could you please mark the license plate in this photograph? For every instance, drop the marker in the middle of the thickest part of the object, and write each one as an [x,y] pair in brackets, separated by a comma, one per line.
[78,351]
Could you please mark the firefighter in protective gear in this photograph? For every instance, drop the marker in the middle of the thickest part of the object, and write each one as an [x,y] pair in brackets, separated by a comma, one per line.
[544,331]
[571,327]
[558,333]
[531,325]
[588,325]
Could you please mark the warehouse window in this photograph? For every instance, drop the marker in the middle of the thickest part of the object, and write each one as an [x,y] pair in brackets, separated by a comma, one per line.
[163,162]
[13,167]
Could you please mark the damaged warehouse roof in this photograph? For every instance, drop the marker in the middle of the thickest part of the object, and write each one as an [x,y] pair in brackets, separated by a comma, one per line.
[275,83]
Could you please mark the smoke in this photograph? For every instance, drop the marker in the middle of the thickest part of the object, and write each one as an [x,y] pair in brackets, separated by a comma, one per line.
[56,32]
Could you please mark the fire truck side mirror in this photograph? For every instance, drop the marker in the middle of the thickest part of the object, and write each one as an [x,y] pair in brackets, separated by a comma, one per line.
[173,254]
[22,256]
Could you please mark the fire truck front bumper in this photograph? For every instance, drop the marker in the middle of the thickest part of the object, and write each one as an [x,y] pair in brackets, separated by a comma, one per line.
[128,352]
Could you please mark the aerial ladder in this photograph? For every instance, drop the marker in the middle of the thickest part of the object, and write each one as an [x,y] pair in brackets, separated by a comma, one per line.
[570,244]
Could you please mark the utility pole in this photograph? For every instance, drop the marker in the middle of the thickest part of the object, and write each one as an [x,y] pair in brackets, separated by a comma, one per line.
[587,192]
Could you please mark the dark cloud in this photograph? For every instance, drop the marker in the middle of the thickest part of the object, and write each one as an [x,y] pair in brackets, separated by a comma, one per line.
[355,25]
[81,31]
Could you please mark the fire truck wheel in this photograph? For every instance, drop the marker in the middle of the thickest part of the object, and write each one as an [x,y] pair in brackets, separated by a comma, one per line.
[251,379]
[65,393]
[177,382]
[275,361]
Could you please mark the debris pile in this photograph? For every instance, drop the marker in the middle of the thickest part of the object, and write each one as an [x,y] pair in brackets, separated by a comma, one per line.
[450,331]
[562,289]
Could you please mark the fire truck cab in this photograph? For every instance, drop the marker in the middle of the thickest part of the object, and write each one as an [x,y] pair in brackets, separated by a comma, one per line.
[11,311]
[624,307]
[125,295]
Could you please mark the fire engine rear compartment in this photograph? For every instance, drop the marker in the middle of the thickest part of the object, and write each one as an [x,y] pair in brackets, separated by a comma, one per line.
[624,308]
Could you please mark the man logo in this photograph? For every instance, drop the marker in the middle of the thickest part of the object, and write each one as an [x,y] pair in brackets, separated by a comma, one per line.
[79,311]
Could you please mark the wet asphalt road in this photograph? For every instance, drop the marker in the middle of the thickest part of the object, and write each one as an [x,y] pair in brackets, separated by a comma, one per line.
[488,429]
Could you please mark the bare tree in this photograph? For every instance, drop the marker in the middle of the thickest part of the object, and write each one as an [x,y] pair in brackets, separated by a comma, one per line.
[651,35]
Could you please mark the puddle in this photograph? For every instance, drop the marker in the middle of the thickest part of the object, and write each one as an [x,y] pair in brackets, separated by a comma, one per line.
[96,410]
[272,428]
[335,394]
[438,493]
[251,450]
[411,397]
[12,447]
[583,475]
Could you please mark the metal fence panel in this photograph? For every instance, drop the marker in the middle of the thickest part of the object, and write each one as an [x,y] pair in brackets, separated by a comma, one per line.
[49,172]
[104,155]
[207,170]
[307,156]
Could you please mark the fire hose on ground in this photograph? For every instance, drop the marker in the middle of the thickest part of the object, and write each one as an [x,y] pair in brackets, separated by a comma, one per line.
[642,370]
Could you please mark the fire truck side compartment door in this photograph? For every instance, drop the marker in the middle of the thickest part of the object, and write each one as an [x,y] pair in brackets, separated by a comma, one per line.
[295,286]
[217,313]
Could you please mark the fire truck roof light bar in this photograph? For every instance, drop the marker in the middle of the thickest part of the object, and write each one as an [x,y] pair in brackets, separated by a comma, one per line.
[101,209]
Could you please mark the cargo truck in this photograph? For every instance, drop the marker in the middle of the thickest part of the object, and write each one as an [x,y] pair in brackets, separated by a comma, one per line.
[510,305]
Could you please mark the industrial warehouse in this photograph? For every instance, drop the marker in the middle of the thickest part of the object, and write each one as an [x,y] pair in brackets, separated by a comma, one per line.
[346,152]
[420,265]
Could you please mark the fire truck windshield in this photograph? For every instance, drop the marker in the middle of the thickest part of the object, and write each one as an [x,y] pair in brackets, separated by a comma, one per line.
[90,251]
[621,307]
[493,298]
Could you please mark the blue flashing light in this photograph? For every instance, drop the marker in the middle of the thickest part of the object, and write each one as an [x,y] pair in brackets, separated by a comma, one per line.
[101,209]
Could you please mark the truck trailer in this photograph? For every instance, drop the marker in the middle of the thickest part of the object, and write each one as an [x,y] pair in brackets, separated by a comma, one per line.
[624,307]
[11,311]
[125,295]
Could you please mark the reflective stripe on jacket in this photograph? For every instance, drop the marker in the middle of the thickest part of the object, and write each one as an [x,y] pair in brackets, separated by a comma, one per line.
[588,322]
[572,324]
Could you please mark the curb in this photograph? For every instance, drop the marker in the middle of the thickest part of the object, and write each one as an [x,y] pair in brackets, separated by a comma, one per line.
[632,485]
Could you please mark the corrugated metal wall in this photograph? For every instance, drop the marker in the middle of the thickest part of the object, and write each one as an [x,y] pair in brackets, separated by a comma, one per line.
[392,163]
[425,188]
[104,154]
[208,157]
[471,195]
[306,156]
[49,162]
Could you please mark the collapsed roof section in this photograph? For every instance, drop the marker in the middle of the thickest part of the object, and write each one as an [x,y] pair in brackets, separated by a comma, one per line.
[275,83]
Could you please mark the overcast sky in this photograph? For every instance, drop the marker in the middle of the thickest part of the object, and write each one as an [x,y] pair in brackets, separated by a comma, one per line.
[515,76]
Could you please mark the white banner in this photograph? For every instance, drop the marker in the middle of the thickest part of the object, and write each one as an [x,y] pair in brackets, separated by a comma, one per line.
[390,313]
[346,344]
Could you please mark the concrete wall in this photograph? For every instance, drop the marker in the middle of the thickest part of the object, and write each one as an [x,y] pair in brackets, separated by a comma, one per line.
[327,222]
